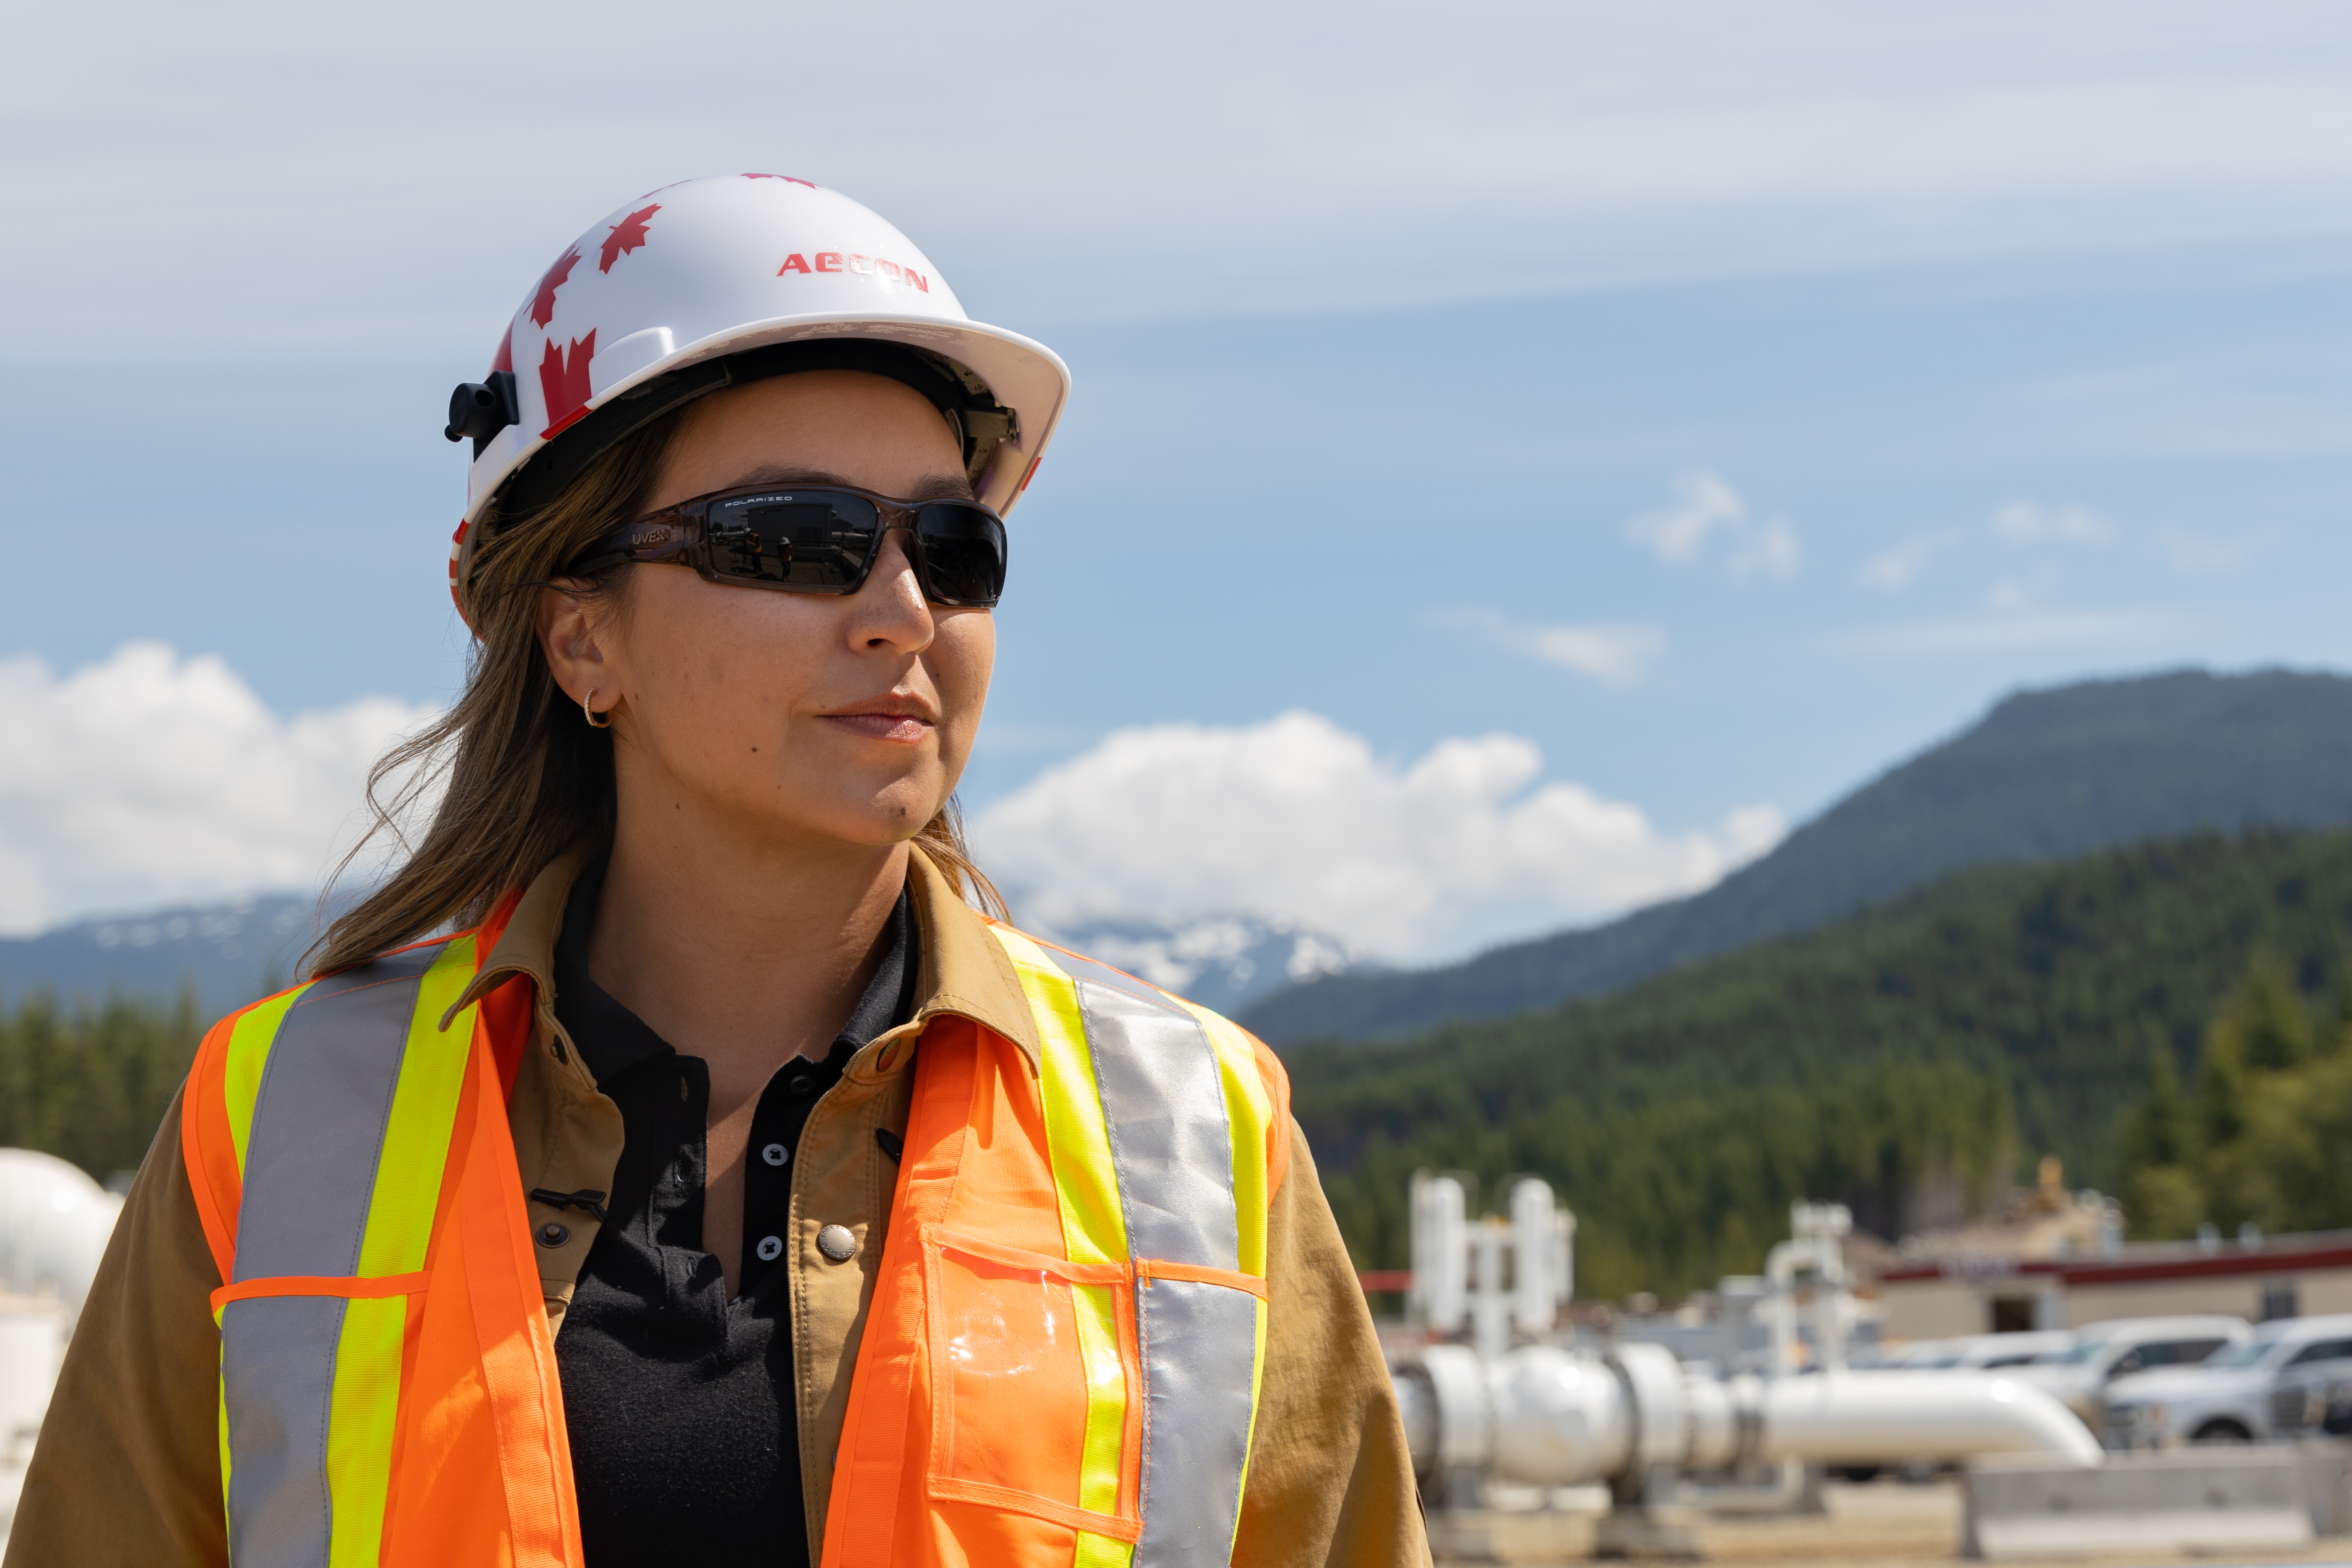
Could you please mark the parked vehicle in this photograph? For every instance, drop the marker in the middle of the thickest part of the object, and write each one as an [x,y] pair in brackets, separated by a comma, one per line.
[2230,1396]
[2119,1347]
[1977,1352]
[2312,1394]
[1991,1352]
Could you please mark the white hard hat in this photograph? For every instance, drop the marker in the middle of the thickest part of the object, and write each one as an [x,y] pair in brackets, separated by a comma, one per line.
[713,282]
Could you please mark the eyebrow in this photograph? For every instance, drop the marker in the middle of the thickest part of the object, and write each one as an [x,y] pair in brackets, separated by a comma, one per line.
[930,487]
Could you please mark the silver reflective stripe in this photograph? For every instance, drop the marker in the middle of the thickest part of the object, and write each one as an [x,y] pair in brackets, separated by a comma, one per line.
[1164,1101]
[277,1366]
[1200,1346]
[1166,1107]
[310,1170]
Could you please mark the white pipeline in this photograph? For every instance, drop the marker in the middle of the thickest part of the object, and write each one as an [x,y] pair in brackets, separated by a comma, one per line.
[1546,1417]
[1844,1418]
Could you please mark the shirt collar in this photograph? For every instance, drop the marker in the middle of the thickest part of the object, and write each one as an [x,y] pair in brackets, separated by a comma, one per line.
[611,1038]
[961,970]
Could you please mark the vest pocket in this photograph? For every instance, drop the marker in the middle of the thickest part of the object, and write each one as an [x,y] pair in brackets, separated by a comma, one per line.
[1036,1396]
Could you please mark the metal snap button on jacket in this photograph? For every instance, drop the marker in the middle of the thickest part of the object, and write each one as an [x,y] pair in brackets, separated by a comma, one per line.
[553,1234]
[772,1247]
[775,1153]
[835,1242]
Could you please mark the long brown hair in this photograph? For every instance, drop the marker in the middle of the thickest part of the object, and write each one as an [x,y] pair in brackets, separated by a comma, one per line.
[527,777]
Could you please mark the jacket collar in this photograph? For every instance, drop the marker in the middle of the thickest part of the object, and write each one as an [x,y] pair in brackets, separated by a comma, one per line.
[966,972]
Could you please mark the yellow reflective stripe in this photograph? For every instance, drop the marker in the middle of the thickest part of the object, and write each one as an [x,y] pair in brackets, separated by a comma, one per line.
[1257,1383]
[1248,1112]
[423,1111]
[220,1392]
[248,1054]
[366,1403]
[1097,1316]
[1077,1137]
[366,1408]
[1102,1552]
[1094,1228]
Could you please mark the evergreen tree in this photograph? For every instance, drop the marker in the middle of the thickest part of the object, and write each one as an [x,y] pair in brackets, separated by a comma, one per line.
[91,1083]
[2268,1138]
[2159,1145]
[2265,1022]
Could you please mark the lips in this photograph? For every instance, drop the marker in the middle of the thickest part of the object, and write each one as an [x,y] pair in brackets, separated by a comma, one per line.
[902,717]
[899,727]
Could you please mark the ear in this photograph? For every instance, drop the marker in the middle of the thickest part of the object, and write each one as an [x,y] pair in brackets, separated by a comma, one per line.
[578,634]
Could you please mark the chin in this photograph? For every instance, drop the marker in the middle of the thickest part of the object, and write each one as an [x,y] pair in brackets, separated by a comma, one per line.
[876,823]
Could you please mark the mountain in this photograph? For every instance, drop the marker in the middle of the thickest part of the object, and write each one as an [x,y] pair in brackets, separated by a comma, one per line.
[1912,1060]
[2044,775]
[233,953]
[230,953]
[1223,962]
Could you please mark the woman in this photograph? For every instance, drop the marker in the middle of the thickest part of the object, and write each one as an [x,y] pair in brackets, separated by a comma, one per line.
[727,1187]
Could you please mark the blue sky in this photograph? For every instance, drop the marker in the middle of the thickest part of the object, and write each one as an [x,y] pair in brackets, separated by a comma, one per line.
[1724,401]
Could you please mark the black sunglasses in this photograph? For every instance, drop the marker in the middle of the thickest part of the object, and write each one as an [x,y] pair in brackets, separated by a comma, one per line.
[814,539]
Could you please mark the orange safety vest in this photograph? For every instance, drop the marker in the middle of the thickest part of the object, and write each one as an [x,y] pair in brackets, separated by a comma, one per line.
[1060,1363]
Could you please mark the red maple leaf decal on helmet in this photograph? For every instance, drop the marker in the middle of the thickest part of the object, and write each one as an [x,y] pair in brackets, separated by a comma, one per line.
[563,381]
[786,178]
[542,304]
[626,236]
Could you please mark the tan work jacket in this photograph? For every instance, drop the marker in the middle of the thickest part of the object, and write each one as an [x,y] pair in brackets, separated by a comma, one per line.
[128,1467]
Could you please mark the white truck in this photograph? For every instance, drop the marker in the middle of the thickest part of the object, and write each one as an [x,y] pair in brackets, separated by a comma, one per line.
[2229,1396]
[2104,1352]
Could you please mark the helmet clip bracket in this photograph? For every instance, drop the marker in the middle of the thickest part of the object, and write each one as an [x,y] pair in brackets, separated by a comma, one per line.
[483,408]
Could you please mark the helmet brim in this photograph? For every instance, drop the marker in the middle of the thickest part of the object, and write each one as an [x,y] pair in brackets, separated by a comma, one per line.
[1024,376]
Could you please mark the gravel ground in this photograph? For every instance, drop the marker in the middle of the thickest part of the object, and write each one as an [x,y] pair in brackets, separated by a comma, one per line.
[1886,1524]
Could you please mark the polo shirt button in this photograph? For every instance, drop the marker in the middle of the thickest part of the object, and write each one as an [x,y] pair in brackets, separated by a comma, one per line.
[835,1242]
[553,1234]
[800,1083]
[771,1248]
[775,1153]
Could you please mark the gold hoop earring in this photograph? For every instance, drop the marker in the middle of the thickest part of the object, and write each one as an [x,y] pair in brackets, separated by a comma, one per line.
[589,713]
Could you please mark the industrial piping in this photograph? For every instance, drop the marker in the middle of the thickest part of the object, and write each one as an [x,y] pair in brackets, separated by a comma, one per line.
[1546,1417]
[1632,1415]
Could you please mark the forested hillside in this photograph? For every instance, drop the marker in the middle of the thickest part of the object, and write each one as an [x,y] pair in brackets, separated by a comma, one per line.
[2263,1133]
[2045,775]
[89,1082]
[1911,1060]
[1899,1059]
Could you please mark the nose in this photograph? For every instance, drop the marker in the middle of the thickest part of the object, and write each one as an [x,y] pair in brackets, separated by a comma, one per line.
[889,610]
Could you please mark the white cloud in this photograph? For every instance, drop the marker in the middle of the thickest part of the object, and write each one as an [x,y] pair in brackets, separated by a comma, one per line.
[1414,152]
[2030,522]
[1615,655]
[1612,655]
[2197,555]
[1894,569]
[2015,625]
[150,777]
[1770,550]
[1704,504]
[1296,819]
[2023,523]
[2008,599]
[1705,507]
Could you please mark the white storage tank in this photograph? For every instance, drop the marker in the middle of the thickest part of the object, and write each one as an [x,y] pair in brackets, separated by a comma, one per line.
[54,1223]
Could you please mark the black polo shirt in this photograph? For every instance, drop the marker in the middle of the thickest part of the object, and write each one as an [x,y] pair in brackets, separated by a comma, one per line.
[684,1432]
